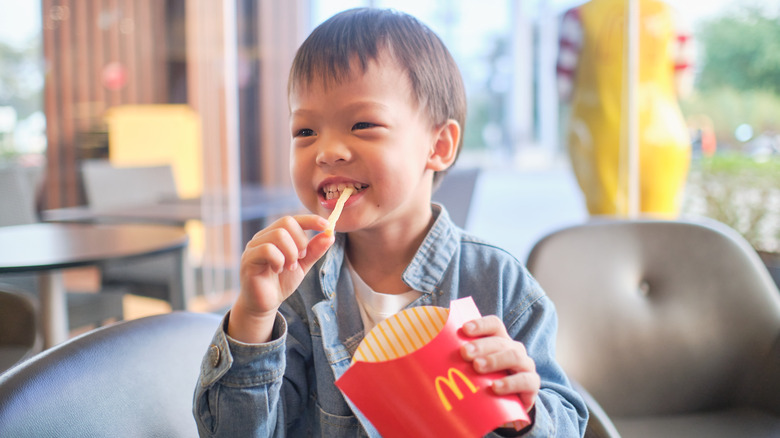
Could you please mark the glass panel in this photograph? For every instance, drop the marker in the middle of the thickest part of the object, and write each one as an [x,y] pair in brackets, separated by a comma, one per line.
[22,123]
[734,117]
[130,83]
[519,131]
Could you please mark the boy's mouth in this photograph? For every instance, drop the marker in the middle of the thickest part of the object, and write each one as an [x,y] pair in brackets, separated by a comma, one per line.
[333,191]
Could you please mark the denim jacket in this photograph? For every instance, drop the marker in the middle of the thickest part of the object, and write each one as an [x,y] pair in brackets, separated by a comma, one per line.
[286,387]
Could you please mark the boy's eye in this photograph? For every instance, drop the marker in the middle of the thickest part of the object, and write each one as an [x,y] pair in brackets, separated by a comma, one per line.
[304,132]
[362,125]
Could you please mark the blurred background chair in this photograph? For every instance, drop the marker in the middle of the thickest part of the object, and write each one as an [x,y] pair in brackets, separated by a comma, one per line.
[17,197]
[456,192]
[106,187]
[599,423]
[18,328]
[131,379]
[674,327]
[17,207]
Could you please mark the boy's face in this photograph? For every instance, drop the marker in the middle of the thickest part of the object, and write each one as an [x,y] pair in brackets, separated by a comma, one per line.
[368,132]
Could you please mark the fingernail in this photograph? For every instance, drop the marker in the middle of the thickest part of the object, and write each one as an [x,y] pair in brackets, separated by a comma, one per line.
[480,362]
[302,254]
[293,267]
[470,326]
[498,384]
[470,349]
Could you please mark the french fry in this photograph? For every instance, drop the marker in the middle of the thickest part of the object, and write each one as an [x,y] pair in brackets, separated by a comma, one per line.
[334,215]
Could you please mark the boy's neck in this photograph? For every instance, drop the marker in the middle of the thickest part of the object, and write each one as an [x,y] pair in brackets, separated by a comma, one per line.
[380,257]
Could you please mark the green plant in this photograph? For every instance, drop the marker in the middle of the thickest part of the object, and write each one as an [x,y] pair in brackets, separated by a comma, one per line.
[741,47]
[740,192]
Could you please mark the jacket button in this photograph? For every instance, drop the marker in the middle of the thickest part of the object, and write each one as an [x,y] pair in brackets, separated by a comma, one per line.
[214,355]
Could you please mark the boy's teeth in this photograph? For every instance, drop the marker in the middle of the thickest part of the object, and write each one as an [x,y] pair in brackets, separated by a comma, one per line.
[334,191]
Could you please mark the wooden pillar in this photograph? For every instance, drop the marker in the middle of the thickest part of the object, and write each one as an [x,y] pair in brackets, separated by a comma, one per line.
[98,54]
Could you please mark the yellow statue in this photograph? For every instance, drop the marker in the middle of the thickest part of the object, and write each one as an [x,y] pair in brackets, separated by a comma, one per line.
[590,77]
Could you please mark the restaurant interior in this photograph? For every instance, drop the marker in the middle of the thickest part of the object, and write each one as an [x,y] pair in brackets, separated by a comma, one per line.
[144,142]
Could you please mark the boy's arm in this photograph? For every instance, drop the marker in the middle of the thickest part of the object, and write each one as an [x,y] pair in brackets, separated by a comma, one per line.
[253,389]
[243,371]
[237,392]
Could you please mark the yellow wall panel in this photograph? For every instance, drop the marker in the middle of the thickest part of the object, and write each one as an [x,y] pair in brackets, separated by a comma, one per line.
[142,135]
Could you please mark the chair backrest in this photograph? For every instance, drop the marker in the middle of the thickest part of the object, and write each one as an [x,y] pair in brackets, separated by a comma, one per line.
[17,197]
[599,423]
[18,327]
[107,186]
[456,192]
[131,379]
[658,317]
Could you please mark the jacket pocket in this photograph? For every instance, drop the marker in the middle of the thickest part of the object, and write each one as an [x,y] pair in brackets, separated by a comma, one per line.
[337,425]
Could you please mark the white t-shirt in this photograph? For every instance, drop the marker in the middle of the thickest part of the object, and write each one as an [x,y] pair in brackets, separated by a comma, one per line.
[375,307]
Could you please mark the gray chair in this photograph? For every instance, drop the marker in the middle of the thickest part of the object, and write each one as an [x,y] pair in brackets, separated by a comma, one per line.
[17,197]
[599,423]
[108,187]
[673,326]
[19,337]
[131,379]
[18,188]
[456,193]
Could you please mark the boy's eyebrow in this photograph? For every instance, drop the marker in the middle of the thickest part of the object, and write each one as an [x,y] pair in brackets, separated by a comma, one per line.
[352,107]
[367,104]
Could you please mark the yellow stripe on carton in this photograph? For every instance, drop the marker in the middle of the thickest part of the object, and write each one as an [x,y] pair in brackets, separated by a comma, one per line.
[401,334]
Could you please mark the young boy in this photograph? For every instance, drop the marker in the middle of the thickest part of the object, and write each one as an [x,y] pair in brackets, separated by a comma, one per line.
[376,103]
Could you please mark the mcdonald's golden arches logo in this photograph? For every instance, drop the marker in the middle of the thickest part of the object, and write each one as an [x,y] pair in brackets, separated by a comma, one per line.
[450,382]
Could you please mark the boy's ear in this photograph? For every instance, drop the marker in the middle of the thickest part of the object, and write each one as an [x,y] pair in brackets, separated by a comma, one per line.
[445,147]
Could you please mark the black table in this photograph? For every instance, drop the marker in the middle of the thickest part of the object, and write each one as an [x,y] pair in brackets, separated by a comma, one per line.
[256,203]
[47,248]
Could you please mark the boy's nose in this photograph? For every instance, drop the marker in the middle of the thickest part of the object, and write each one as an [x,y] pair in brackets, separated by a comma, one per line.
[332,153]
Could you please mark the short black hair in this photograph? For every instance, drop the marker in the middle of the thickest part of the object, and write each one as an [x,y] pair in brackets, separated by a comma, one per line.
[359,34]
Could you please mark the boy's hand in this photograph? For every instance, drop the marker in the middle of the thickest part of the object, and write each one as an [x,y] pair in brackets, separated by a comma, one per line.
[273,264]
[495,351]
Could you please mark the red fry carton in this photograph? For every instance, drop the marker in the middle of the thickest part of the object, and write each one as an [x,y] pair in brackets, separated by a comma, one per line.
[408,378]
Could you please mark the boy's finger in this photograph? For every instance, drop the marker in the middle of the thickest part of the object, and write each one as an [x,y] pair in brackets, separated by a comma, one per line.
[494,357]
[289,234]
[520,383]
[263,255]
[288,244]
[302,241]
[312,222]
[317,247]
[306,221]
[295,225]
[486,345]
[489,325]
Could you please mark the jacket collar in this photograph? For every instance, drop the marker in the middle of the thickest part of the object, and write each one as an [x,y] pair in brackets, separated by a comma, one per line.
[425,271]
[433,256]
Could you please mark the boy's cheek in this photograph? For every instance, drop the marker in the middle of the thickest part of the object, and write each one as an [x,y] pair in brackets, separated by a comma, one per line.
[307,195]
[302,176]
